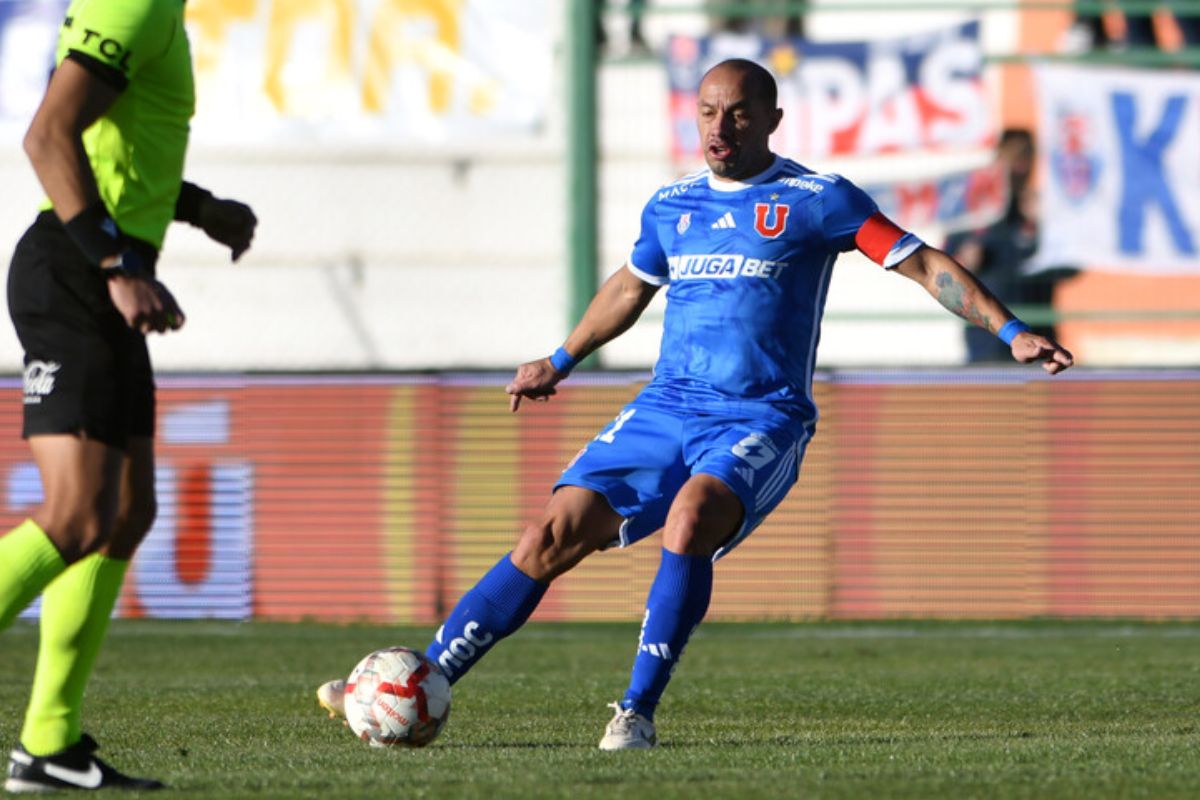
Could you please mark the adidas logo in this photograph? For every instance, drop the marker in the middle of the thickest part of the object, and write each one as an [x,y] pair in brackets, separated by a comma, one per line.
[746,474]
[725,222]
[659,650]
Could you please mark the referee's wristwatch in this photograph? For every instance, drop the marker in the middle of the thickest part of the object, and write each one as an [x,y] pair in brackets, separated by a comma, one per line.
[127,265]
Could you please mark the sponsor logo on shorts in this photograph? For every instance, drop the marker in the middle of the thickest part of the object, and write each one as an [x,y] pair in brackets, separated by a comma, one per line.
[756,450]
[39,380]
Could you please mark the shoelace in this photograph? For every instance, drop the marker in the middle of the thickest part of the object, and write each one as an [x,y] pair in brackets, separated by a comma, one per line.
[625,719]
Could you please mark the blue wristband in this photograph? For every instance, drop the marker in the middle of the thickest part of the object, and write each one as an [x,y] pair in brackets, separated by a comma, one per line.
[1009,330]
[562,361]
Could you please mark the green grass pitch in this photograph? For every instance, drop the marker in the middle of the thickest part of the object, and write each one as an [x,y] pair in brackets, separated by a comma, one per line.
[817,710]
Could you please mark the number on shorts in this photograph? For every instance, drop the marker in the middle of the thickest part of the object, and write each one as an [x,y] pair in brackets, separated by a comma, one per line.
[622,418]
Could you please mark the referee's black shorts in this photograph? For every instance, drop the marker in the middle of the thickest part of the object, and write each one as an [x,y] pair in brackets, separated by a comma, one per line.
[86,371]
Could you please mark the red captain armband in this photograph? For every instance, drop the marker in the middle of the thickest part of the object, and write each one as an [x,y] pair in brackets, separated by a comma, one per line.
[877,236]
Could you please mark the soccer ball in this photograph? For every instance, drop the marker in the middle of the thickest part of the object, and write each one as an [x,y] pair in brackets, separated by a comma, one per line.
[396,696]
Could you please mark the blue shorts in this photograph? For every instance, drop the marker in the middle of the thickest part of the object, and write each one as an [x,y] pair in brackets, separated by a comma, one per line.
[643,458]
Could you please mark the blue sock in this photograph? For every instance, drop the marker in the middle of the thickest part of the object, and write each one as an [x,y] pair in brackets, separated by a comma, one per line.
[494,607]
[678,601]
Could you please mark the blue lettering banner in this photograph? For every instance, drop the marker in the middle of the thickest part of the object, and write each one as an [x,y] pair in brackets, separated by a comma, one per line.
[920,92]
[1121,168]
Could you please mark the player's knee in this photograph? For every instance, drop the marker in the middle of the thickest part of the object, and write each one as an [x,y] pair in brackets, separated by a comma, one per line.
[688,533]
[682,534]
[546,550]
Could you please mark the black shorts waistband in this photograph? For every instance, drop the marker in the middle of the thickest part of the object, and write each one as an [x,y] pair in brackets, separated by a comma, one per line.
[49,221]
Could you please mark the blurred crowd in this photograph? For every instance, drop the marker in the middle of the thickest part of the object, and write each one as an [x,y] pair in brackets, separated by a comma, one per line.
[1004,254]
[1127,25]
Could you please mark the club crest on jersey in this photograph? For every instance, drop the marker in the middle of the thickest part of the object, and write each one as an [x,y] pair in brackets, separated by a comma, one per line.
[685,222]
[770,219]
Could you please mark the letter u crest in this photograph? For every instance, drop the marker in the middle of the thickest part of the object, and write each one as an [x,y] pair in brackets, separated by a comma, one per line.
[770,220]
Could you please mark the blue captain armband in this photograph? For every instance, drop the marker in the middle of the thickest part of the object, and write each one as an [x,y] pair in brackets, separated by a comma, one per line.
[1009,330]
[562,361]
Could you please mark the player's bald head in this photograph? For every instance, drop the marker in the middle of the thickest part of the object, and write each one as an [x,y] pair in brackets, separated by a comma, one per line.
[755,80]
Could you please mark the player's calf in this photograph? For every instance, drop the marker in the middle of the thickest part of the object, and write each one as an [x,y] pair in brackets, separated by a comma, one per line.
[495,607]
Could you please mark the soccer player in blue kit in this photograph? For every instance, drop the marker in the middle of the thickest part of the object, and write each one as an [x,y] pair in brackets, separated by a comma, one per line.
[714,442]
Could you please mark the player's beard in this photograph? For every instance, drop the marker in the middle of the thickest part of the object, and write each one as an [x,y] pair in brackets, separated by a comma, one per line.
[723,167]
[738,165]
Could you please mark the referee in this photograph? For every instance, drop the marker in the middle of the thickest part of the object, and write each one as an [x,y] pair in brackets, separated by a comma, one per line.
[107,144]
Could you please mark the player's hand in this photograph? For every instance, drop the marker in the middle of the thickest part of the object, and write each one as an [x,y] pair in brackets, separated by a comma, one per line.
[228,222]
[534,380]
[145,304]
[1029,347]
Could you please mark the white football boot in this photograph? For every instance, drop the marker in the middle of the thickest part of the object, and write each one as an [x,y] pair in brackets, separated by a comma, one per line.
[331,696]
[628,730]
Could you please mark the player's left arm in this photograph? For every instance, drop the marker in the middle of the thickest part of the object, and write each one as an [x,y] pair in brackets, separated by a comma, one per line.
[228,222]
[958,290]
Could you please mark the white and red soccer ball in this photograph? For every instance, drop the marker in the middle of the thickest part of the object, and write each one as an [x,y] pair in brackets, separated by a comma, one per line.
[397,697]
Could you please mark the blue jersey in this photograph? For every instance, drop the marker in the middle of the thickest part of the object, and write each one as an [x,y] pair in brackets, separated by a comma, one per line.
[747,266]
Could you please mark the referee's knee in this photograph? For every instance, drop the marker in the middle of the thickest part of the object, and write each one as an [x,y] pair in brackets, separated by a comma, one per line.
[76,533]
[132,526]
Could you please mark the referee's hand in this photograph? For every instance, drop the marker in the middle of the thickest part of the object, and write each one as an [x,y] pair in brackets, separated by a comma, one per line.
[230,223]
[145,304]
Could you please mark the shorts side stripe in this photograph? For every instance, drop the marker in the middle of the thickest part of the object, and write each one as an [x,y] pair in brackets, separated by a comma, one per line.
[779,476]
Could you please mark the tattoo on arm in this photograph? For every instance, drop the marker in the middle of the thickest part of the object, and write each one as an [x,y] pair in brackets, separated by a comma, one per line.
[961,300]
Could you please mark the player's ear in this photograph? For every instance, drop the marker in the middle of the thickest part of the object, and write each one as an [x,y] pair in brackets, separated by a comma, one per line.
[776,118]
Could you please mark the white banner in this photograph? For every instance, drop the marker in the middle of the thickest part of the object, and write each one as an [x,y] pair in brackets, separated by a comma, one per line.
[917,92]
[333,72]
[1121,169]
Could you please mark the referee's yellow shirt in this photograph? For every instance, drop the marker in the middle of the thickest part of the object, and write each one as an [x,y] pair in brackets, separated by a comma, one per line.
[137,148]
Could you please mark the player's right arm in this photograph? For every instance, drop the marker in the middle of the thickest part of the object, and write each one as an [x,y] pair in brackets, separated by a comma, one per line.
[616,306]
[614,309]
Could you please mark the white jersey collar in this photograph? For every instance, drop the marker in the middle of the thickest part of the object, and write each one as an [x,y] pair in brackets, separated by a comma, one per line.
[736,186]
